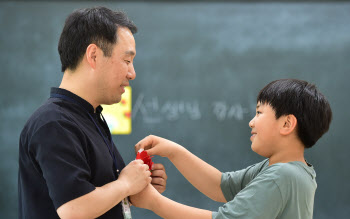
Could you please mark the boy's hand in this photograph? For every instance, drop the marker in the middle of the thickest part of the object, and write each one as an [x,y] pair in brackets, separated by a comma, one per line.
[145,198]
[157,146]
[159,177]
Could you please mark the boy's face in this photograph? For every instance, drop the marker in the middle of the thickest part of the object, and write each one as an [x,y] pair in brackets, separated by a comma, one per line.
[265,130]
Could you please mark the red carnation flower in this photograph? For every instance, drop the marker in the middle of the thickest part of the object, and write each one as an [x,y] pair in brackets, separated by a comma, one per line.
[143,155]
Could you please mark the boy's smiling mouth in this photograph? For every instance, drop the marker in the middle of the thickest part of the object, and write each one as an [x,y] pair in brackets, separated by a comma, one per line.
[253,135]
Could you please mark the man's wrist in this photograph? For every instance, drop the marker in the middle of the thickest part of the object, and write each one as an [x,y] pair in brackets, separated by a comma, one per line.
[123,187]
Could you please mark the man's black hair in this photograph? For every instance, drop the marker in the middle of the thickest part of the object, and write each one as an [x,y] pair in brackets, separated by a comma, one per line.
[304,101]
[92,25]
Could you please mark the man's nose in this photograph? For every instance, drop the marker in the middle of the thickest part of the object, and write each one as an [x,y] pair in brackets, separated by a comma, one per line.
[131,72]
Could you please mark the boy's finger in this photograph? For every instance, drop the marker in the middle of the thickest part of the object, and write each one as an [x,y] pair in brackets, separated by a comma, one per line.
[144,144]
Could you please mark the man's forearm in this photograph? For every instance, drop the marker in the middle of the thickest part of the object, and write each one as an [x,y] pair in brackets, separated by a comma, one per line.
[95,203]
[200,174]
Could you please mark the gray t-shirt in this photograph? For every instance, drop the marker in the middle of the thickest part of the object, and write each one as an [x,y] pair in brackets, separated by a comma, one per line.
[282,190]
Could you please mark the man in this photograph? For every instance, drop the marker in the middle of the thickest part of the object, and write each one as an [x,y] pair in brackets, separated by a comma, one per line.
[68,164]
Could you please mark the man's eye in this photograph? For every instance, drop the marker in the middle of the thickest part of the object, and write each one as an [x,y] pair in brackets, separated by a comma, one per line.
[127,61]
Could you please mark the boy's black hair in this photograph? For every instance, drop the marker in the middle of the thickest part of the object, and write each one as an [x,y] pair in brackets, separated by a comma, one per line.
[92,25]
[304,101]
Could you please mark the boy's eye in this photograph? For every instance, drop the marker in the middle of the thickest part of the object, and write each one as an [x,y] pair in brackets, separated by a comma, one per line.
[258,112]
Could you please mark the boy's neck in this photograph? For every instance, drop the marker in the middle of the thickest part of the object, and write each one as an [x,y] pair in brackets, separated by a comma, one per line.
[289,153]
[277,160]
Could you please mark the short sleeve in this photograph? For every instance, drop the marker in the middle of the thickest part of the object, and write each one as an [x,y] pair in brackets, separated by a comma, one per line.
[260,199]
[57,150]
[233,182]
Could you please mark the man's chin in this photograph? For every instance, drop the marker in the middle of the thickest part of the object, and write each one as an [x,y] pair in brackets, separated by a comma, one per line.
[117,100]
[113,101]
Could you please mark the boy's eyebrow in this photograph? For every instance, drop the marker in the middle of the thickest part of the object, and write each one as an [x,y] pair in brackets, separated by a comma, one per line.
[257,106]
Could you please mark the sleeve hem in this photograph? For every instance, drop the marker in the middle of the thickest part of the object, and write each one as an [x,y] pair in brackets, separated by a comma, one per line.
[77,194]
[225,188]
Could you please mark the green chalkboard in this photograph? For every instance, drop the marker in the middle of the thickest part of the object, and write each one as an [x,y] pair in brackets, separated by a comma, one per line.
[199,68]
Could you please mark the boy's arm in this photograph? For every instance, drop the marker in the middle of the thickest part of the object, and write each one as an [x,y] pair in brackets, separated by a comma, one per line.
[150,199]
[259,200]
[169,209]
[200,174]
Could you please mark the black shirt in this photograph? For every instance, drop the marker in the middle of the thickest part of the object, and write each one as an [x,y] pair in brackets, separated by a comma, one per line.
[62,156]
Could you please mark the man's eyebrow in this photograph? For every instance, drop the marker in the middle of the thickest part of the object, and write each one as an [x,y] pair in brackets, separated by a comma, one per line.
[130,52]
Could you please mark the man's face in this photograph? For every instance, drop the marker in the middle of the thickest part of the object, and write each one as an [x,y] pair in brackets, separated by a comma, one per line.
[116,71]
[265,131]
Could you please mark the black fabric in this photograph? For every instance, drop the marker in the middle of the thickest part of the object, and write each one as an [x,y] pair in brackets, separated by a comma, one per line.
[62,156]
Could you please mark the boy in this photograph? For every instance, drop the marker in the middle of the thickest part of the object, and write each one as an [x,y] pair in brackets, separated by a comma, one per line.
[291,115]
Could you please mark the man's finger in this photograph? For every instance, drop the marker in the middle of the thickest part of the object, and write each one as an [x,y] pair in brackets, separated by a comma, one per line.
[158,181]
[138,161]
[159,173]
[158,166]
[146,167]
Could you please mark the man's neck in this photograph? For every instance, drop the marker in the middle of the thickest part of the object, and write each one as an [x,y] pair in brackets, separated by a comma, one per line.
[79,86]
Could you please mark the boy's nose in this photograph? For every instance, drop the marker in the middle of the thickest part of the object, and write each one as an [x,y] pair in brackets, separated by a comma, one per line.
[251,123]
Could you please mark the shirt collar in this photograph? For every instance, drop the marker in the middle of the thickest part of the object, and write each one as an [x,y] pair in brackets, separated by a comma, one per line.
[81,101]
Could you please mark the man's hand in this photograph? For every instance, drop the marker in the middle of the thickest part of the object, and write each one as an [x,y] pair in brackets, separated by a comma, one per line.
[157,146]
[159,177]
[135,176]
[132,179]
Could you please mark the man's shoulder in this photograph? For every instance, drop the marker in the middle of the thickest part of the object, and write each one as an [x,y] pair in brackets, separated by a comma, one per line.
[49,112]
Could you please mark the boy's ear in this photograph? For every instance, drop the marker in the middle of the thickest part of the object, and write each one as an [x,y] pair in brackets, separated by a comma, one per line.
[289,124]
[91,55]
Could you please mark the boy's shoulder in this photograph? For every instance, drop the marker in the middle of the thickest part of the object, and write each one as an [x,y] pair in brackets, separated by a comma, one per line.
[291,172]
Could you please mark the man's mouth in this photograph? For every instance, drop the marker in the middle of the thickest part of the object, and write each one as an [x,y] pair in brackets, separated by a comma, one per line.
[122,88]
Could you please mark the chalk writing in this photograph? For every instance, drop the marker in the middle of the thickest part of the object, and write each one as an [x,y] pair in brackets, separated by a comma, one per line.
[153,110]
[224,111]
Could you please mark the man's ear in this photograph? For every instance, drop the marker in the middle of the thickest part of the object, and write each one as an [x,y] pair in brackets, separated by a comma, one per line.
[91,55]
[289,124]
